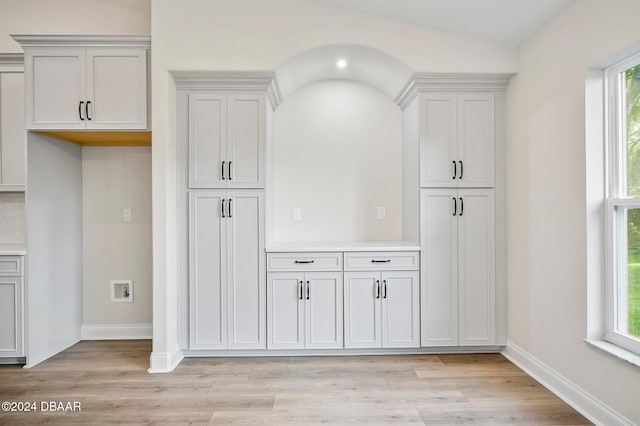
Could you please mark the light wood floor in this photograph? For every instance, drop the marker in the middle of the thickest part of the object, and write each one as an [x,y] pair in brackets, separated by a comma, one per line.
[109,378]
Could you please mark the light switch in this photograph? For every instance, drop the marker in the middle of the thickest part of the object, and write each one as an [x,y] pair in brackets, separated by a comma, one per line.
[382,213]
[297,213]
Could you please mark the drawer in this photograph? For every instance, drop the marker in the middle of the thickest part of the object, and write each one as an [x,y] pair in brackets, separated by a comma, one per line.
[11,266]
[304,261]
[377,260]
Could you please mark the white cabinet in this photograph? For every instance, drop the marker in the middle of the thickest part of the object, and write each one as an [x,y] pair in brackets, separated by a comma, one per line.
[12,128]
[304,310]
[92,83]
[458,267]
[381,307]
[457,139]
[227,270]
[226,139]
[11,307]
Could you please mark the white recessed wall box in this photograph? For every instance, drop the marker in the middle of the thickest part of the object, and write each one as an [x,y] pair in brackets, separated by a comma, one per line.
[122,291]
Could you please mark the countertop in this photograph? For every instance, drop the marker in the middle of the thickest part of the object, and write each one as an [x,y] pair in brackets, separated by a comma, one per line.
[328,246]
[13,250]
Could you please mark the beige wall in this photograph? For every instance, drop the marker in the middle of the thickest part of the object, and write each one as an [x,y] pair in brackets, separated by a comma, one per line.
[547,276]
[13,228]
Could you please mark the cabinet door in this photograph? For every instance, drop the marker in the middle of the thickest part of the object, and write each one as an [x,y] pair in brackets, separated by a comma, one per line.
[11,317]
[476,140]
[246,140]
[362,310]
[476,266]
[55,86]
[117,88]
[324,324]
[13,134]
[439,290]
[208,166]
[207,271]
[285,310]
[247,273]
[438,140]
[400,309]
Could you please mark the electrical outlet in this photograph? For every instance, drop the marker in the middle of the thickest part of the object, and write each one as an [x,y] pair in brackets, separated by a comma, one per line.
[297,213]
[382,213]
[126,215]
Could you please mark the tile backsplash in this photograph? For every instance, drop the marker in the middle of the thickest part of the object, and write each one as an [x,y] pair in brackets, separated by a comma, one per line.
[13,228]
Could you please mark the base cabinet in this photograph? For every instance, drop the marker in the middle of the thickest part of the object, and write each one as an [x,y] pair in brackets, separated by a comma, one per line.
[458,263]
[382,309]
[227,270]
[304,310]
[11,307]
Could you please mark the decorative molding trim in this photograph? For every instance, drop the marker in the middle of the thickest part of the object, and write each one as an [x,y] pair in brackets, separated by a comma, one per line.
[11,62]
[231,80]
[569,392]
[164,362]
[116,331]
[469,82]
[340,352]
[11,188]
[30,40]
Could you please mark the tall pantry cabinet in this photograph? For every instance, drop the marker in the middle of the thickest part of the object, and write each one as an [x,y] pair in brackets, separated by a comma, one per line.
[228,131]
[454,131]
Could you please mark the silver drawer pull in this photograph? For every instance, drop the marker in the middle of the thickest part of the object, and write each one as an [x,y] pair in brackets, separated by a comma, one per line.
[304,261]
[380,261]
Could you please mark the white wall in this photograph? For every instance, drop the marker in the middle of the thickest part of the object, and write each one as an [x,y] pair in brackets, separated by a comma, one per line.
[259,35]
[100,17]
[547,275]
[13,227]
[338,156]
[54,257]
[115,178]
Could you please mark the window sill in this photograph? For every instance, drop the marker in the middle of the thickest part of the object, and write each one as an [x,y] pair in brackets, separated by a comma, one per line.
[617,351]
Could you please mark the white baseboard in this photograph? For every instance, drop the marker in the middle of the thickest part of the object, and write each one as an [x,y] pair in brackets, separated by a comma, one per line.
[116,331]
[164,362]
[569,392]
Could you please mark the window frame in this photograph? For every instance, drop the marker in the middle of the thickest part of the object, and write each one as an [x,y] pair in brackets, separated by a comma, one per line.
[617,202]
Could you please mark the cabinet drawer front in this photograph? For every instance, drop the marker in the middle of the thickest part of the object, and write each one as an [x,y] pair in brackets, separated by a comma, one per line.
[373,261]
[304,261]
[11,266]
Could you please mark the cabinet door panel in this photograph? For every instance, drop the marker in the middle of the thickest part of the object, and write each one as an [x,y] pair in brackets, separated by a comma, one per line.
[476,263]
[476,139]
[438,240]
[285,311]
[438,140]
[207,140]
[246,285]
[11,317]
[117,88]
[208,301]
[246,140]
[55,88]
[13,136]
[362,310]
[324,324]
[400,309]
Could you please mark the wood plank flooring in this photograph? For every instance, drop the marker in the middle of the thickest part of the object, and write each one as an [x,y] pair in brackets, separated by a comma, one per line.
[110,381]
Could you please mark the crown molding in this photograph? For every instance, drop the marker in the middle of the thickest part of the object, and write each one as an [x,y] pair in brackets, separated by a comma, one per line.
[444,82]
[231,80]
[31,40]
[11,62]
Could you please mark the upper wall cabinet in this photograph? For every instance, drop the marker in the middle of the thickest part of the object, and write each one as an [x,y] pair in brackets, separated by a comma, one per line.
[226,140]
[85,83]
[230,125]
[12,129]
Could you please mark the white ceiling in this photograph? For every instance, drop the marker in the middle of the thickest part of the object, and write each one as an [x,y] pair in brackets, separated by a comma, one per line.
[505,21]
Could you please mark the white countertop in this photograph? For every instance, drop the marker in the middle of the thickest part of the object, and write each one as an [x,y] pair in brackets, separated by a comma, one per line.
[13,250]
[326,246]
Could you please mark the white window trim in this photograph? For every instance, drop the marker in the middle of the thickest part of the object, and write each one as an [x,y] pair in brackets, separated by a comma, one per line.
[615,202]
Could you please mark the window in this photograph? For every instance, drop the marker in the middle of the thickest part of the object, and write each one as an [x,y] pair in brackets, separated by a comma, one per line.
[623,205]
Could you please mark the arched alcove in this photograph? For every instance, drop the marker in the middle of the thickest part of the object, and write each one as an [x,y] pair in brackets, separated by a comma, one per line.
[338,146]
